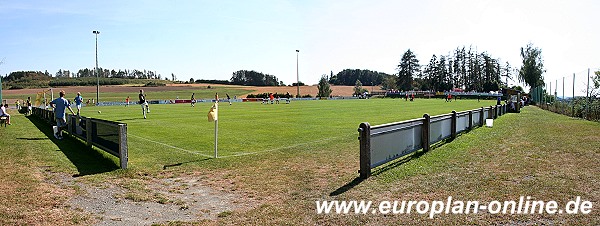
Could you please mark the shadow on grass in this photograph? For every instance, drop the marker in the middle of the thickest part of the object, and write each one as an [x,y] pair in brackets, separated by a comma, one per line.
[181,163]
[34,138]
[392,165]
[346,187]
[130,119]
[87,160]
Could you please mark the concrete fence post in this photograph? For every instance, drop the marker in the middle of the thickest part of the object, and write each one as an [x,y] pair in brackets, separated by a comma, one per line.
[425,132]
[123,155]
[453,125]
[364,131]
[70,124]
[518,104]
[495,110]
[499,110]
[470,120]
[481,117]
[88,131]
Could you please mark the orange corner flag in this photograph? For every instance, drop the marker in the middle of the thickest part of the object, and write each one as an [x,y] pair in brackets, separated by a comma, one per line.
[213,114]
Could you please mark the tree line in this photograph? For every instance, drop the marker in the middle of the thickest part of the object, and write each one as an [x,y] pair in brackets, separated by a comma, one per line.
[463,68]
[106,73]
[86,72]
[25,79]
[348,77]
[253,78]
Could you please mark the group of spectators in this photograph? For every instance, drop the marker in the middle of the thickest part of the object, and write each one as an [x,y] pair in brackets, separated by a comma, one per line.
[4,109]
[59,105]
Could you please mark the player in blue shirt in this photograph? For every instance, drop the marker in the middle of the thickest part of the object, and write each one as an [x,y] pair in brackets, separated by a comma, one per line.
[59,105]
[78,101]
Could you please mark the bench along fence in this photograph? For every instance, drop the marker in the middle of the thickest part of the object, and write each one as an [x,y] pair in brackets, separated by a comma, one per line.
[106,135]
[384,143]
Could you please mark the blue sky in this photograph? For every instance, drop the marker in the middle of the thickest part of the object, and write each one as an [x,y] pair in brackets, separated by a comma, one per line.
[212,39]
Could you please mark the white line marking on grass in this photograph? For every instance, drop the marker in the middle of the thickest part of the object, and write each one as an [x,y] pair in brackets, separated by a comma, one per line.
[170,146]
[281,148]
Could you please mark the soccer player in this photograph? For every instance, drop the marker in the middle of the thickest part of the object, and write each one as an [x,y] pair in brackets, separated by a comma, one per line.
[193,100]
[59,105]
[271,97]
[78,101]
[143,103]
[127,101]
[228,98]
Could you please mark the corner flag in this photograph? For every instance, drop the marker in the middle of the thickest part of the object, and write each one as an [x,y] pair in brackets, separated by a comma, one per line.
[213,114]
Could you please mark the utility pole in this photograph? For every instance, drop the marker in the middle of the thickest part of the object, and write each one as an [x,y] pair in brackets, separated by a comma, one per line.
[97,71]
[297,75]
[573,104]
[587,97]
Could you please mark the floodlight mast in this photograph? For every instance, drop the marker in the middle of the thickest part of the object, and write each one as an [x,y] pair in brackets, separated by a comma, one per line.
[297,76]
[97,70]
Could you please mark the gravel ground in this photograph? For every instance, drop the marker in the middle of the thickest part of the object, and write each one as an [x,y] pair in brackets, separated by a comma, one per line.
[189,200]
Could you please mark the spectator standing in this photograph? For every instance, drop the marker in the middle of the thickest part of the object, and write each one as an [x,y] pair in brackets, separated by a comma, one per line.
[60,105]
[28,105]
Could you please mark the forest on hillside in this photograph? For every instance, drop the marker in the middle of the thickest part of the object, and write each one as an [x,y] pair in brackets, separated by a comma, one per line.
[463,68]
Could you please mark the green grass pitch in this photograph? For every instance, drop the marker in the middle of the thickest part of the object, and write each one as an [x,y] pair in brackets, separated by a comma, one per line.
[180,133]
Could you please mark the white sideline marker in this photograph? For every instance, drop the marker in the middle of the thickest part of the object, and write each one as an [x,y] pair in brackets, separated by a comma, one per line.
[240,154]
[281,148]
[170,146]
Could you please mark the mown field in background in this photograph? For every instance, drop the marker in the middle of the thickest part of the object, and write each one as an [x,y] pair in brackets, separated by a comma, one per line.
[286,157]
[174,91]
[119,93]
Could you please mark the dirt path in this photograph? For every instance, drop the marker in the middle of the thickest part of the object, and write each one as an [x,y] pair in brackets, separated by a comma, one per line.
[185,199]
